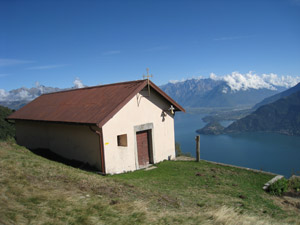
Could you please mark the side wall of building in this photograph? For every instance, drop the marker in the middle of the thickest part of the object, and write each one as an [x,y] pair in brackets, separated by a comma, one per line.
[140,113]
[76,142]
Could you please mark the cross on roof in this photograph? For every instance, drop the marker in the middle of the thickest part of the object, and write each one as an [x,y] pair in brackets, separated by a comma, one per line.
[148,75]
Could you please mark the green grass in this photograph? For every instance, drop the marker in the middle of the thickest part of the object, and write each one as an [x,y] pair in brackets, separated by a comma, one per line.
[34,190]
[192,184]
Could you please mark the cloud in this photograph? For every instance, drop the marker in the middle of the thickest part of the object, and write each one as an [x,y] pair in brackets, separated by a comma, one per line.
[77,83]
[46,67]
[13,62]
[214,77]
[237,81]
[229,38]
[17,95]
[114,52]
[283,81]
[176,81]
[3,95]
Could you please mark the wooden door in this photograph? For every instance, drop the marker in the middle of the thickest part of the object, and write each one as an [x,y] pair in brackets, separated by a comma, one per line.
[142,139]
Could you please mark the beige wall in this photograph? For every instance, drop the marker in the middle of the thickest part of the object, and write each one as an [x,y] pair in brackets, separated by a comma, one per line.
[76,142]
[138,111]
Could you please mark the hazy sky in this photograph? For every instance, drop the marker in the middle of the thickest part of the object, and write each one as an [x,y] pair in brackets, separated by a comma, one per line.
[53,42]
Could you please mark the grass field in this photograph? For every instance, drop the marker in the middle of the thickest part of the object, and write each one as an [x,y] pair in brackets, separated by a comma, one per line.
[35,190]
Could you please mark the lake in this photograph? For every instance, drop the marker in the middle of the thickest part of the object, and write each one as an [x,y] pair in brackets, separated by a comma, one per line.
[270,152]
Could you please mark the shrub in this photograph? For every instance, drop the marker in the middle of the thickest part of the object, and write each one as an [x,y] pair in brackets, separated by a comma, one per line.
[178,151]
[294,183]
[7,130]
[279,187]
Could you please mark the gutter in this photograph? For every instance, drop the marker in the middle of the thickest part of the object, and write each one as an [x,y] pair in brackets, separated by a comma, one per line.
[100,134]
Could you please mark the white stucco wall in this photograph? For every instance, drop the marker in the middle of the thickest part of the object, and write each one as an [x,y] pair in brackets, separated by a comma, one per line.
[140,110]
[76,142]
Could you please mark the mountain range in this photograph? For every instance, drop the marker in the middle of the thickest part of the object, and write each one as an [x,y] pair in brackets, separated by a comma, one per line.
[232,91]
[278,96]
[17,98]
[208,92]
[282,116]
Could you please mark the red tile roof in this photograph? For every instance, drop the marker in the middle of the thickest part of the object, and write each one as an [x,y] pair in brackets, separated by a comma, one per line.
[91,105]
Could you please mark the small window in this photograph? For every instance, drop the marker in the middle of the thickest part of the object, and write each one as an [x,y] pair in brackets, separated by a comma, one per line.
[122,140]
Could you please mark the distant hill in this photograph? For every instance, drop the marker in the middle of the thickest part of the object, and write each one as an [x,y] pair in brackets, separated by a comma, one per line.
[215,93]
[280,95]
[188,92]
[14,104]
[282,116]
[6,129]
[17,98]
[212,128]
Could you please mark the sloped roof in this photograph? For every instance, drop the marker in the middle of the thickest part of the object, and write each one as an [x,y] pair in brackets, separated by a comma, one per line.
[91,105]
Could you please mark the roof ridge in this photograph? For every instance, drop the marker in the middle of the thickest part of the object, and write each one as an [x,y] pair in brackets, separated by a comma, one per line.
[96,86]
[124,102]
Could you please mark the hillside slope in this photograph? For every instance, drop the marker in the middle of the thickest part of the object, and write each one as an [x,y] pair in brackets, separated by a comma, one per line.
[278,96]
[35,190]
[281,116]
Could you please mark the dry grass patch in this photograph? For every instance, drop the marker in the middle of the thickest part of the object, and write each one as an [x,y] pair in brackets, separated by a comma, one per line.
[34,190]
[229,216]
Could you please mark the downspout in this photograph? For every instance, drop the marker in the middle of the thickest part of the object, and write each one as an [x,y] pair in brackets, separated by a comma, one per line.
[99,133]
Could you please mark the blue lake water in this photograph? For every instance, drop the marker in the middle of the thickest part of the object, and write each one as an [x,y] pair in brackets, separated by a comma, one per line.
[267,151]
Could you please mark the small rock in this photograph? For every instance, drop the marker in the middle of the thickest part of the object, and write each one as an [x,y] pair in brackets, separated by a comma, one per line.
[200,204]
[87,196]
[113,202]
[242,196]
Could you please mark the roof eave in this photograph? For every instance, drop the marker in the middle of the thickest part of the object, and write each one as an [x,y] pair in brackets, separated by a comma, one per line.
[52,121]
[172,101]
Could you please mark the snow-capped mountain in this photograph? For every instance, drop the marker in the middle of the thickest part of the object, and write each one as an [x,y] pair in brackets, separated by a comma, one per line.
[233,90]
[17,98]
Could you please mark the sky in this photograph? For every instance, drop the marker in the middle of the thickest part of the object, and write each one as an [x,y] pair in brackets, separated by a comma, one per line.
[58,42]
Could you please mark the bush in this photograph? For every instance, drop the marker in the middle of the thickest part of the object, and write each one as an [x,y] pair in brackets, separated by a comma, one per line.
[294,183]
[7,130]
[279,187]
[178,151]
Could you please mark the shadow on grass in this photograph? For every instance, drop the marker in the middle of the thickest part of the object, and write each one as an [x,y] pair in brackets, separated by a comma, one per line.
[48,154]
